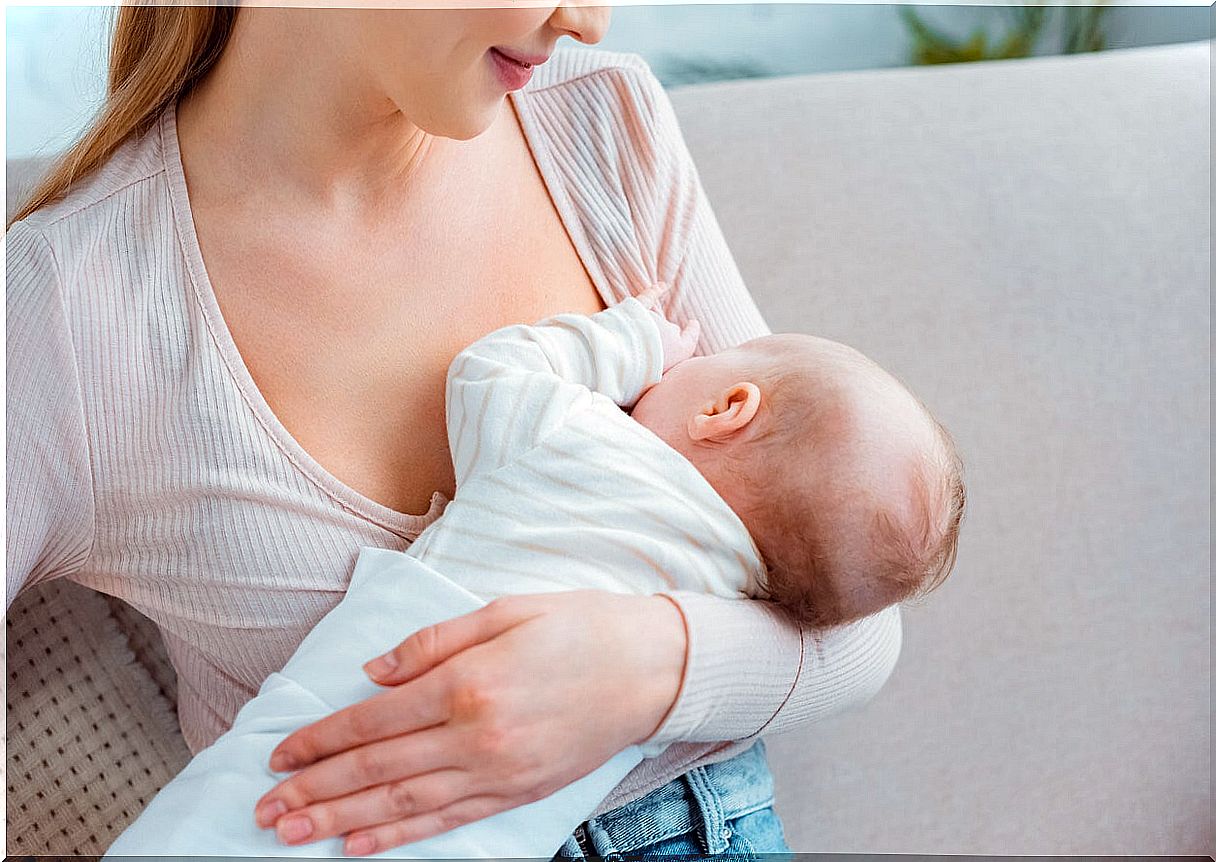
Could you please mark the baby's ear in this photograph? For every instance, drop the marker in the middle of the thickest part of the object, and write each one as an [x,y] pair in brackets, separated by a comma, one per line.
[729,414]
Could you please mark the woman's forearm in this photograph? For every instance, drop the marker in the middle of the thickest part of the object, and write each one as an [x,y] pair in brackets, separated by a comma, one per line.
[750,671]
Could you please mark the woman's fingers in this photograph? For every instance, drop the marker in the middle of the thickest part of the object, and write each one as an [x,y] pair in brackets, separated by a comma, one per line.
[429,647]
[508,704]
[421,703]
[407,831]
[418,771]
[385,803]
[391,760]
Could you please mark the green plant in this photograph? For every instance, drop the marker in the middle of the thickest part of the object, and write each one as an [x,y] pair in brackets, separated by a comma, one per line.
[1081,28]
[675,71]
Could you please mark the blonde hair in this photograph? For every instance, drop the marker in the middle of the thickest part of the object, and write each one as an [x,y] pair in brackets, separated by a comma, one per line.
[156,55]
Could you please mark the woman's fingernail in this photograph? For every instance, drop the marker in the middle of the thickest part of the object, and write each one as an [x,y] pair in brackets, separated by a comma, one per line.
[359,845]
[294,828]
[268,812]
[281,761]
[382,666]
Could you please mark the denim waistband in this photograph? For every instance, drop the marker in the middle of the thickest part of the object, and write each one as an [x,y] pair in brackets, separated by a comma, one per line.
[701,801]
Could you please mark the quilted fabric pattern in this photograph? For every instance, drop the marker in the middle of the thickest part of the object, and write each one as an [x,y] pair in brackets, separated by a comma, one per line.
[91,734]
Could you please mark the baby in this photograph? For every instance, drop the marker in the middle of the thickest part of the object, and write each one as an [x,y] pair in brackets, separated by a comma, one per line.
[788,468]
[851,490]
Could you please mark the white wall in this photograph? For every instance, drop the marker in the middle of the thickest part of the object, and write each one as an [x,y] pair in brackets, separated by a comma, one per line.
[56,55]
[55,74]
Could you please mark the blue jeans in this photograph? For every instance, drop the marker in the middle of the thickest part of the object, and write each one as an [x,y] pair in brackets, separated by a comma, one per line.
[723,809]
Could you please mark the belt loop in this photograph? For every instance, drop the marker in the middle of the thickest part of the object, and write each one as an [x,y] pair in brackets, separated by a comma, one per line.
[602,845]
[715,835]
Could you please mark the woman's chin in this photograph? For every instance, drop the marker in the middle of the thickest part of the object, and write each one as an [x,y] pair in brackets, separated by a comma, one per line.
[471,123]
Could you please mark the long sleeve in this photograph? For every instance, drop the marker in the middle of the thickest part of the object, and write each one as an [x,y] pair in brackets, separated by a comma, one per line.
[748,668]
[511,388]
[50,491]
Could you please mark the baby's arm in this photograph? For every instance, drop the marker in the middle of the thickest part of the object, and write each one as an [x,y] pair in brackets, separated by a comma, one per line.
[509,389]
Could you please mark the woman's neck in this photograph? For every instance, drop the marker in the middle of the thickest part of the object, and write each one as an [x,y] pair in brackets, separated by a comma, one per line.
[313,131]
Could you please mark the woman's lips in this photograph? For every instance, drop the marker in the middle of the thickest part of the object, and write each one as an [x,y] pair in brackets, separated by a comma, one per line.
[514,70]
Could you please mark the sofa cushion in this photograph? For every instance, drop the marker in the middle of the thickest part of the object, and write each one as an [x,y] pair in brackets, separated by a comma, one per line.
[1028,245]
[91,735]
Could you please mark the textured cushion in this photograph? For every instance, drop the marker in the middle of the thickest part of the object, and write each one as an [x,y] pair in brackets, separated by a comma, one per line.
[1027,244]
[91,736]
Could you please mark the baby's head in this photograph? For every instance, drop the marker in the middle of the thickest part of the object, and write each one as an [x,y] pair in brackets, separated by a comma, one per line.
[851,490]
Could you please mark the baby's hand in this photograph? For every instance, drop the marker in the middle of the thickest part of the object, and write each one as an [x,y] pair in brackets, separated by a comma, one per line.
[650,296]
[678,344]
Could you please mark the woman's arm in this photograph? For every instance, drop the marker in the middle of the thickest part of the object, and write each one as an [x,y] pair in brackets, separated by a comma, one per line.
[50,489]
[748,669]
[751,671]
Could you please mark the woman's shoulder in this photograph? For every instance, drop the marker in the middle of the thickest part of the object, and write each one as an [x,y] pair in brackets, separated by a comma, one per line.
[602,115]
[75,241]
[568,65]
[606,136]
[606,91]
[81,262]
[92,198]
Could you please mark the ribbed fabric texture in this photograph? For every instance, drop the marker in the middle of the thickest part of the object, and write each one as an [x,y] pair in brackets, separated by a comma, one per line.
[144,462]
[559,489]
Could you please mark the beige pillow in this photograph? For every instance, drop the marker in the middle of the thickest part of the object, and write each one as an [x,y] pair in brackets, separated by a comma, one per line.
[92,734]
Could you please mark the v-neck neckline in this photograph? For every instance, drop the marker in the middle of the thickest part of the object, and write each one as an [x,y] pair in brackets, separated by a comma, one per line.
[402,524]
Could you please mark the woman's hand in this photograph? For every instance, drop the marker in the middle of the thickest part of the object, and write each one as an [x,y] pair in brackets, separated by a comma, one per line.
[484,712]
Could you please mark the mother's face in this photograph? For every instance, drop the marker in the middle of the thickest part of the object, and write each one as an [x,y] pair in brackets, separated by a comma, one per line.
[448,70]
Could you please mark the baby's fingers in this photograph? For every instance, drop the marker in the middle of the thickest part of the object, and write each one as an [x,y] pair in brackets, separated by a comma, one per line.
[691,334]
[650,296]
[685,346]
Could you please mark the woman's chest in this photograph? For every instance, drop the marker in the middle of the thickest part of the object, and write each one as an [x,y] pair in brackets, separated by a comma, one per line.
[349,340]
[359,383]
[214,528]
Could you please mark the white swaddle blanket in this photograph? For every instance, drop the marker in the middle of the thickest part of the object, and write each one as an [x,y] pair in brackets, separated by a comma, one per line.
[556,489]
[208,809]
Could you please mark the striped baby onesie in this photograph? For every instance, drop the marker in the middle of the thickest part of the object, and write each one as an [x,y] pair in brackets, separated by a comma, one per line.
[558,488]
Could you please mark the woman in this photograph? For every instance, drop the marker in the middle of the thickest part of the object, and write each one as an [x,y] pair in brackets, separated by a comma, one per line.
[242,290]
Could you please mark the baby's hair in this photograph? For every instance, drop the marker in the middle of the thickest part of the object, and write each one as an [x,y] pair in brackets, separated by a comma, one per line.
[810,573]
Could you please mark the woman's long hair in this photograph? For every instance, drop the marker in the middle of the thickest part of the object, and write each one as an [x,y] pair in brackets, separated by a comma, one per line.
[157,54]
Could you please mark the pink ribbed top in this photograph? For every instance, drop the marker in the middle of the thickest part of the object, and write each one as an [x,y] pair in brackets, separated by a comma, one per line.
[144,462]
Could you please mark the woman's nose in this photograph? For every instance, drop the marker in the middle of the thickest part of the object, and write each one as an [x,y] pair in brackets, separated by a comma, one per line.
[581,20]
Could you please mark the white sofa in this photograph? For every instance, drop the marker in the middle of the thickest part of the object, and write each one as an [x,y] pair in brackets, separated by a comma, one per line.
[1027,244]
